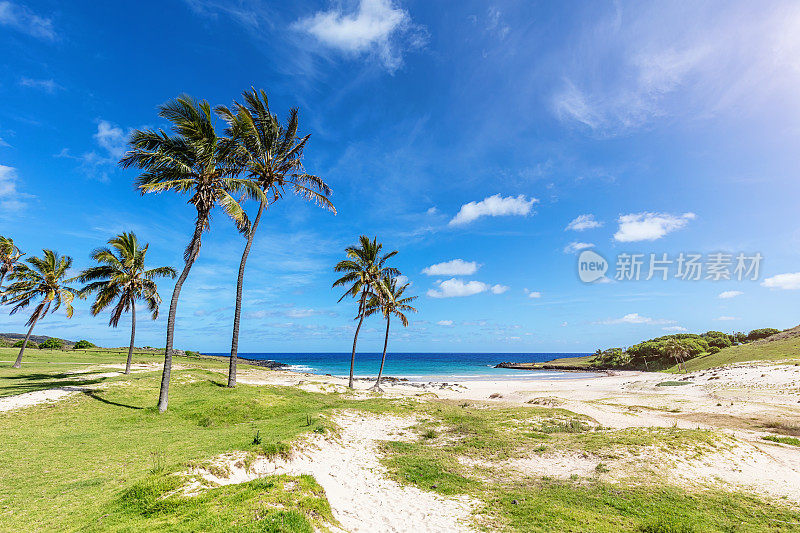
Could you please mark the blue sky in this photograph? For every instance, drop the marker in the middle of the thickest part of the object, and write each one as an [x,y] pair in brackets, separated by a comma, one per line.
[487,142]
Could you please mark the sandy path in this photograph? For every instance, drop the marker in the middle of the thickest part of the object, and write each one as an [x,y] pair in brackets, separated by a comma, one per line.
[358,488]
[38,397]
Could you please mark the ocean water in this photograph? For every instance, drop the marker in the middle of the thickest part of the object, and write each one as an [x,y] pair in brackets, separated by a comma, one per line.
[421,366]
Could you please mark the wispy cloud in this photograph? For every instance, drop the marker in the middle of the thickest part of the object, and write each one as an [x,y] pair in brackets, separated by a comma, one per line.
[455,288]
[11,199]
[575,247]
[493,206]
[48,86]
[376,27]
[583,222]
[675,329]
[726,318]
[533,294]
[111,139]
[23,19]
[456,267]
[641,62]
[649,226]
[729,294]
[636,318]
[445,323]
[785,282]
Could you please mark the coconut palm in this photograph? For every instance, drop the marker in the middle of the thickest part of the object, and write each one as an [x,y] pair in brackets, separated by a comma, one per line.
[270,153]
[193,160]
[679,352]
[44,280]
[365,269]
[10,255]
[397,305]
[121,276]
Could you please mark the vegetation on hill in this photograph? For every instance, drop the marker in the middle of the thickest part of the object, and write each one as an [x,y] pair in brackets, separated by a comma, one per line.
[676,350]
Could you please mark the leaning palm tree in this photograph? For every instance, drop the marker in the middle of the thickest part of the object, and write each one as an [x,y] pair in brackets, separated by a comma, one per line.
[44,280]
[679,352]
[10,255]
[365,270]
[397,305]
[121,276]
[193,160]
[270,153]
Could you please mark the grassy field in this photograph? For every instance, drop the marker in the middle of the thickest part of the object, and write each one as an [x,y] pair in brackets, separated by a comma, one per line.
[107,461]
[783,349]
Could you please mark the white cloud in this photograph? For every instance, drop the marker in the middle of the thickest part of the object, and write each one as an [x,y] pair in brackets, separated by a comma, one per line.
[456,267]
[493,206]
[401,280]
[495,23]
[675,329]
[649,226]
[10,197]
[533,294]
[786,282]
[48,86]
[499,289]
[575,247]
[23,19]
[454,288]
[729,294]
[639,62]
[445,322]
[583,222]
[636,318]
[726,318]
[377,26]
[111,138]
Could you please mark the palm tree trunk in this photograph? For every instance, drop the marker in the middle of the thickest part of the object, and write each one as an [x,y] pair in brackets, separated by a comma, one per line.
[238,311]
[163,397]
[377,386]
[2,277]
[133,336]
[18,362]
[355,338]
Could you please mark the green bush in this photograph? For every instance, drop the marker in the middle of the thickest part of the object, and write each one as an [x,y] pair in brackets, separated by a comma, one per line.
[718,339]
[20,342]
[51,344]
[82,345]
[613,357]
[763,333]
[714,349]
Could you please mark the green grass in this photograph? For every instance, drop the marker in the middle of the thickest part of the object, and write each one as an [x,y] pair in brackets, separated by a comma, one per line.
[673,383]
[784,349]
[65,465]
[794,441]
[108,461]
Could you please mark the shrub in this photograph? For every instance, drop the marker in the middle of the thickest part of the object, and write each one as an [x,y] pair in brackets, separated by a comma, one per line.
[718,339]
[20,342]
[52,344]
[82,345]
[763,333]
[714,349]
[613,357]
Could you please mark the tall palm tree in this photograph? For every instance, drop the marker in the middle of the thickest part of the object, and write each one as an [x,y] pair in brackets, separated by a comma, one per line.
[45,280]
[10,255]
[365,269]
[270,153]
[397,305]
[193,160]
[121,276]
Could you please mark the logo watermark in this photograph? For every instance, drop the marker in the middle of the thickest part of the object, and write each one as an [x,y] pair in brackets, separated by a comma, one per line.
[716,266]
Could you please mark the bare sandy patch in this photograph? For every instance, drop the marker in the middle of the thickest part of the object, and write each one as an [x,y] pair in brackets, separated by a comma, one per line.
[362,495]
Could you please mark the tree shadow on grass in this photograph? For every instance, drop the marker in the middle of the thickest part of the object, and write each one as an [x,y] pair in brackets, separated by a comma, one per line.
[33,382]
[93,395]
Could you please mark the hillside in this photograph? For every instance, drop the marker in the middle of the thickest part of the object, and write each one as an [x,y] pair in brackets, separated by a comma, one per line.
[781,346]
[14,337]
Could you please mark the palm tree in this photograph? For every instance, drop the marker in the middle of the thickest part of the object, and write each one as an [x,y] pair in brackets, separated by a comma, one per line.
[364,273]
[44,279]
[270,154]
[9,257]
[121,276]
[397,305]
[678,351]
[194,160]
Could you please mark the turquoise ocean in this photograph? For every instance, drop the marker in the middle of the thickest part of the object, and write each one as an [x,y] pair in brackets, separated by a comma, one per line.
[420,366]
